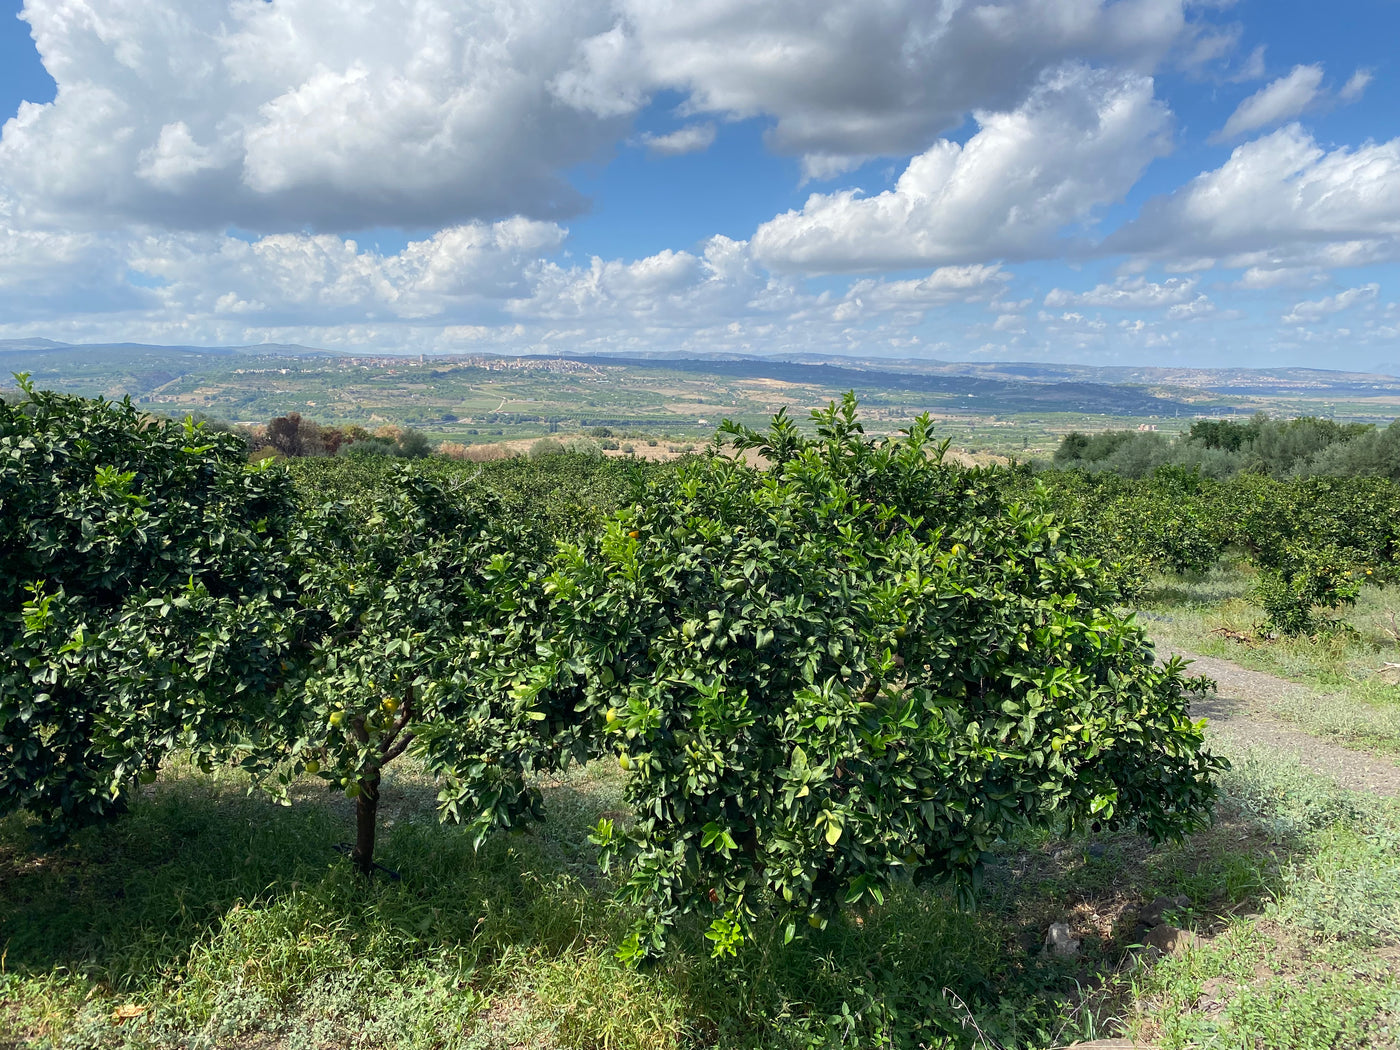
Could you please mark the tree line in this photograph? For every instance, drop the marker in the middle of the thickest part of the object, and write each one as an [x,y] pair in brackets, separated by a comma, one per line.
[1221,448]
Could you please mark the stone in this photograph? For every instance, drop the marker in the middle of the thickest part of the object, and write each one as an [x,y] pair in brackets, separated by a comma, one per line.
[1170,940]
[1214,992]
[1060,941]
[1153,914]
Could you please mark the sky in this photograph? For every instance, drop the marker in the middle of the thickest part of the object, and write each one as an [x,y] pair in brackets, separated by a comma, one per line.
[1113,182]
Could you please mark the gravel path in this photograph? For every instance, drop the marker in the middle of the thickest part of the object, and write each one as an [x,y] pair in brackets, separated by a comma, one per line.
[1241,711]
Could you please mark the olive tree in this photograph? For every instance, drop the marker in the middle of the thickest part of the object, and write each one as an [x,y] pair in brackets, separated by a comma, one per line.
[855,666]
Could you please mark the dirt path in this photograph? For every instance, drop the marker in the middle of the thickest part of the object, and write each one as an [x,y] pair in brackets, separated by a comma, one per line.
[1241,711]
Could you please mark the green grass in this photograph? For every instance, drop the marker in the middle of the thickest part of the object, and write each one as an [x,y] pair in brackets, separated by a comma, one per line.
[1354,697]
[233,923]
[1316,968]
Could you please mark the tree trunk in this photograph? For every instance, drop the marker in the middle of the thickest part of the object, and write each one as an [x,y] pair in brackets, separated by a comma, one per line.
[366,819]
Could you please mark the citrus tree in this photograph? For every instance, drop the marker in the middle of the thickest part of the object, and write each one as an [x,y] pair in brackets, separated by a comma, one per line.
[1169,521]
[420,630]
[857,666]
[1314,540]
[144,602]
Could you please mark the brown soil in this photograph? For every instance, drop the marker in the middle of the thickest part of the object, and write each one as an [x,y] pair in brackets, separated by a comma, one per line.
[1242,711]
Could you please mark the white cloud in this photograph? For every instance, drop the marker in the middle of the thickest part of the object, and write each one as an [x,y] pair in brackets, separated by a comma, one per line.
[693,138]
[42,273]
[472,286]
[1279,201]
[1135,293]
[275,116]
[1081,140]
[174,158]
[1198,309]
[1262,278]
[1252,68]
[324,279]
[419,113]
[944,286]
[1281,100]
[1356,86]
[1315,310]
[845,80]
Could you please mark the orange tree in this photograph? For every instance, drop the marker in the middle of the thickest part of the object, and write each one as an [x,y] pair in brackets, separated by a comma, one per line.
[420,623]
[1315,540]
[159,592]
[857,666]
[144,603]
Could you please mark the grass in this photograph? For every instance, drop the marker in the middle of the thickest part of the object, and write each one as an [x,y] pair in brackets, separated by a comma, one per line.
[1355,697]
[1318,967]
[218,920]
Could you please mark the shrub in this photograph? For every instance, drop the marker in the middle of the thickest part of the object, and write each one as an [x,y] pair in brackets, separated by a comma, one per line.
[859,666]
[1304,581]
[145,598]
[545,447]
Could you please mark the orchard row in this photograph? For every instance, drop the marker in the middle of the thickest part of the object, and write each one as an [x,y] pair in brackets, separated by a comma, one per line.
[853,666]
[1315,541]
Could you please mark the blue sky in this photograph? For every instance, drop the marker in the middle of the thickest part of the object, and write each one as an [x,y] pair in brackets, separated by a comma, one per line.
[1175,182]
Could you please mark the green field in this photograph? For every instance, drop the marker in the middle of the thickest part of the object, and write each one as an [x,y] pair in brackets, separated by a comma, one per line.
[1004,409]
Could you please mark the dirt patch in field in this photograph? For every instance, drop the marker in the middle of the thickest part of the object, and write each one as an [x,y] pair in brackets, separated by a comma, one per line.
[1242,709]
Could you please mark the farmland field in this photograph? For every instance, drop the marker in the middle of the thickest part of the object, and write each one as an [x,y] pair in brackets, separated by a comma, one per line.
[1005,409]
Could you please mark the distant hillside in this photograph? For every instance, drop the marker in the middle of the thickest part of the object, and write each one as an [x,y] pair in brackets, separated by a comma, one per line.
[251,382]
[116,369]
[1010,395]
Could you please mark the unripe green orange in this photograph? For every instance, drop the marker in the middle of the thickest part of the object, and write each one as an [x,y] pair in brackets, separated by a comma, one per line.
[312,766]
[624,760]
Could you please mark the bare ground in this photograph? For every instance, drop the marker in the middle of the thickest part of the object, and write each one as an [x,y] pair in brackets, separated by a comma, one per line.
[1242,711]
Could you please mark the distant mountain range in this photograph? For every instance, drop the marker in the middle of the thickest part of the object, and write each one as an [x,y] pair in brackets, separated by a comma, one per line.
[138,369]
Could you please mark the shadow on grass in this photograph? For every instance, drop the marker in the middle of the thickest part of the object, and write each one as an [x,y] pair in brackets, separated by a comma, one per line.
[201,894]
[1205,590]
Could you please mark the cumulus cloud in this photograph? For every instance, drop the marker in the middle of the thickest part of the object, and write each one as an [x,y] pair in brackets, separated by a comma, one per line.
[472,286]
[1130,293]
[847,79]
[1198,309]
[1281,100]
[1315,310]
[42,273]
[419,113]
[324,279]
[947,284]
[693,138]
[277,116]
[1264,278]
[1280,200]
[1081,140]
